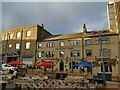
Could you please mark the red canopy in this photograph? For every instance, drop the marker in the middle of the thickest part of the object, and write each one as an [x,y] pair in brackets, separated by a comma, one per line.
[44,64]
[16,63]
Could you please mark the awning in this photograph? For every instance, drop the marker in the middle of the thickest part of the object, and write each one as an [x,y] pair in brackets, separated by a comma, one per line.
[84,64]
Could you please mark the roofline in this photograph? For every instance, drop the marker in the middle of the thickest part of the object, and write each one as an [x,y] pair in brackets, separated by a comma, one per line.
[108,34]
[14,29]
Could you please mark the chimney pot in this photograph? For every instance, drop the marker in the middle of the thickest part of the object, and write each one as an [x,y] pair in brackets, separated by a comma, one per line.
[84,28]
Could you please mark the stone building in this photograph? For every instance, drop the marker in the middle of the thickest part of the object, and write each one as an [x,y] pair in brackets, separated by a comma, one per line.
[20,43]
[69,49]
[33,44]
[113,9]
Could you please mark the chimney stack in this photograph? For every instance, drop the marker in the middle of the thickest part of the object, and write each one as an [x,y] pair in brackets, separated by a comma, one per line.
[42,32]
[84,28]
[42,26]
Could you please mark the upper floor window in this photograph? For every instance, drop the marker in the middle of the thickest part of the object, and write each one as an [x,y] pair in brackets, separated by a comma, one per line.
[11,36]
[39,54]
[104,41]
[75,53]
[27,45]
[18,46]
[74,42]
[105,52]
[62,54]
[18,35]
[39,45]
[28,33]
[10,46]
[50,44]
[88,42]
[88,52]
[61,43]
[50,54]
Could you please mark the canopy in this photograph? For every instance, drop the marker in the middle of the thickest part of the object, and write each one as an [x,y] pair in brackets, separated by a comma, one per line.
[84,64]
[44,64]
[16,63]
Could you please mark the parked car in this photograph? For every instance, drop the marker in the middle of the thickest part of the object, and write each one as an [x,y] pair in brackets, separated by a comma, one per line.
[7,67]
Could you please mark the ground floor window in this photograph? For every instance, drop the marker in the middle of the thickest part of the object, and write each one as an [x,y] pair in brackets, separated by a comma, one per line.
[27,61]
[108,68]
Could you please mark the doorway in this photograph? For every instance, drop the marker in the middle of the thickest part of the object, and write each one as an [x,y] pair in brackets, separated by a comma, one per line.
[61,65]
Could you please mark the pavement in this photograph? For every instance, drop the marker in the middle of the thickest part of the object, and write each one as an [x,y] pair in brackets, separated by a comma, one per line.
[113,85]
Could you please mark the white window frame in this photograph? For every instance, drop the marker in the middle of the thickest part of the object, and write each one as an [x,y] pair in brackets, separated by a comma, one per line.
[27,45]
[11,36]
[62,53]
[61,43]
[74,42]
[18,46]
[39,45]
[18,34]
[39,54]
[10,46]
[28,33]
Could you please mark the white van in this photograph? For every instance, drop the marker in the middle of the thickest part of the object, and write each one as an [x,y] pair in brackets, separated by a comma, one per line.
[7,67]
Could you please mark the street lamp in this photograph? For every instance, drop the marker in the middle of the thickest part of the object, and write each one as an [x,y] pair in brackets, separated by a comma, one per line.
[101,55]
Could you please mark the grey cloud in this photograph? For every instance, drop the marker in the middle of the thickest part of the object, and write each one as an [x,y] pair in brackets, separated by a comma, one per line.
[57,17]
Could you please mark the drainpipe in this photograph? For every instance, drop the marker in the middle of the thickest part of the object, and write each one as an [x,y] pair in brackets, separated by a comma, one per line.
[21,47]
[6,48]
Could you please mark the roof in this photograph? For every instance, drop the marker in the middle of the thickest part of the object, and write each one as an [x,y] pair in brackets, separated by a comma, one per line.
[77,35]
[23,27]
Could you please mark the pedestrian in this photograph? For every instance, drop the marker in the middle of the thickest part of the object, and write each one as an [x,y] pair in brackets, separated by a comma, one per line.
[15,74]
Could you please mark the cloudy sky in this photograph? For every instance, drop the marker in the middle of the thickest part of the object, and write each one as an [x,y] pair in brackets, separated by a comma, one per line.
[57,17]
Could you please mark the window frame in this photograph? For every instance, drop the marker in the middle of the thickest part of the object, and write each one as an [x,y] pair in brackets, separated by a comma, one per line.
[62,43]
[88,52]
[39,54]
[39,45]
[28,33]
[10,46]
[61,54]
[105,52]
[11,36]
[88,42]
[74,42]
[50,54]
[17,45]
[29,45]
[75,53]
[50,44]
[104,40]
[18,34]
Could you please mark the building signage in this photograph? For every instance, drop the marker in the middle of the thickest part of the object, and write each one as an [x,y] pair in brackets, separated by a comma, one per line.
[64,48]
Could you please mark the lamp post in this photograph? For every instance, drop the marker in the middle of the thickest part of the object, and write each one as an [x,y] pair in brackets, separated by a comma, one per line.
[101,56]
[83,48]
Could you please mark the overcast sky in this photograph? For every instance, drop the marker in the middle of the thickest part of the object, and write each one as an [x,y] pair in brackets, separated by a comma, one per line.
[57,17]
